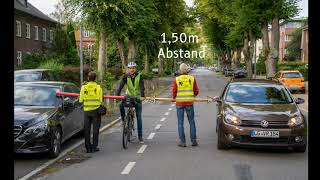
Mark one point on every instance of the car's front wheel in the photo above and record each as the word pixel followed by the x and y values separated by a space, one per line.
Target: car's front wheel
pixel 300 149
pixel 55 143
pixel 221 144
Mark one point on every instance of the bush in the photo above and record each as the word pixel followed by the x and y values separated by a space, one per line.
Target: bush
pixel 149 75
pixel 72 74
pixel 117 72
pixel 51 64
pixel 261 66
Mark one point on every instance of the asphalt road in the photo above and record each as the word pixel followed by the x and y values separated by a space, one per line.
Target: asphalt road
pixel 159 158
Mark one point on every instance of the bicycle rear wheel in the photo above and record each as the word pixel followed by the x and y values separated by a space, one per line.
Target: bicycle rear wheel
pixel 125 133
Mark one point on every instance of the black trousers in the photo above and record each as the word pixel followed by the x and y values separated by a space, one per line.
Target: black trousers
pixel 94 119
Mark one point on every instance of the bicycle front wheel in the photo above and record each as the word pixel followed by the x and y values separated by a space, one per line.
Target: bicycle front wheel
pixel 125 132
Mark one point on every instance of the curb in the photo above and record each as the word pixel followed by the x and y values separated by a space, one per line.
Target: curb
pixel 63 153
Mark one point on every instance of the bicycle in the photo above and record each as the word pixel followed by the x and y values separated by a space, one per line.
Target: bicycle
pixel 128 123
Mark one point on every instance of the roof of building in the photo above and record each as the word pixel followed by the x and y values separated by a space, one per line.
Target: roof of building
pixel 31 10
pixel 292 20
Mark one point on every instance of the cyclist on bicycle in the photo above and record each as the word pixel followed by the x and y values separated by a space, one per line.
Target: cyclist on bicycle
pixel 135 83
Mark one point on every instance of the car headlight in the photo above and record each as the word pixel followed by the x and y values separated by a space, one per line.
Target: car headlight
pixel 37 128
pixel 230 119
pixel 295 121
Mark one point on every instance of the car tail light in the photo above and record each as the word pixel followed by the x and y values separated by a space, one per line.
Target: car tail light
pixel 302 80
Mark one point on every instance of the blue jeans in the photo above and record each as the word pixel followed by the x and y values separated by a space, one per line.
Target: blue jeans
pixel 138 108
pixel 190 114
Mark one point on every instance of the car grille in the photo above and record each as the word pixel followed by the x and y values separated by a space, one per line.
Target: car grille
pixel 248 139
pixel 17 131
pixel 257 123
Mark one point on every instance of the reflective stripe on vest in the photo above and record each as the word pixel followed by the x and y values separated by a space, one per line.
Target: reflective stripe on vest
pixel 185 88
pixel 91 96
pixel 134 90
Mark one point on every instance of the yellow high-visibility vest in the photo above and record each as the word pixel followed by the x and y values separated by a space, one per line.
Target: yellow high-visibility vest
pixel 91 96
pixel 185 88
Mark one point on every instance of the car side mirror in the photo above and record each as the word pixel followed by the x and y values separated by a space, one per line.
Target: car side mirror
pixel 299 101
pixel 67 102
pixel 217 99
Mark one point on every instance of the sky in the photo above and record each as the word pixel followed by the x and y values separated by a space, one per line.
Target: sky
pixel 47 6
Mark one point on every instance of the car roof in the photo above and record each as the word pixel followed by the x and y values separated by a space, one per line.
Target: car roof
pixel 289 71
pixel 255 81
pixel 45 83
pixel 31 70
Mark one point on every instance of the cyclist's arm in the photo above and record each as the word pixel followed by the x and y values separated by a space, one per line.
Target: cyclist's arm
pixel 142 86
pixel 121 85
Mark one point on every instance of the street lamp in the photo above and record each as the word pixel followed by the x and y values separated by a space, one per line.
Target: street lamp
pixel 81 58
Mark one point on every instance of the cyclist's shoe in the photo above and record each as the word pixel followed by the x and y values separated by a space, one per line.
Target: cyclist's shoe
pixel 95 149
pixel 141 141
pixel 181 144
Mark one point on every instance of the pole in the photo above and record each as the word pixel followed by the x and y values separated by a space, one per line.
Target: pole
pixel 255 61
pixel 90 46
pixel 81 58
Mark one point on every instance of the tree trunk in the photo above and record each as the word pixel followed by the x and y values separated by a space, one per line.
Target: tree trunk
pixel 252 38
pixel 160 66
pixel 102 56
pixel 120 44
pixel 238 58
pixel 265 45
pixel 131 50
pixel 271 65
pixel 228 59
pixel 146 61
pixel 247 56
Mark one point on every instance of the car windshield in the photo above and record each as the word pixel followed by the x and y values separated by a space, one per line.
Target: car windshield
pixel 21 77
pixel 35 96
pixel 257 93
pixel 292 75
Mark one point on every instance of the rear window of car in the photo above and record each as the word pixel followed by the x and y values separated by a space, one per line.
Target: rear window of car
pixel 292 75
pixel 31 76
pixel 257 93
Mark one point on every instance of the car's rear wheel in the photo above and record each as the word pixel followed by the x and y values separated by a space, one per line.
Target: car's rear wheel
pixel 221 143
pixel 55 143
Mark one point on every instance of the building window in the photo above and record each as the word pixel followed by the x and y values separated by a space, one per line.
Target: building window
pixel 51 35
pixel 36 33
pixel 44 34
pixel 28 30
pixel 18 28
pixel 86 33
pixel 19 57
pixel 287 38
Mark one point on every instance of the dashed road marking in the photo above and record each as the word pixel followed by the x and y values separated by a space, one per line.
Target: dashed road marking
pixel 141 150
pixel 163 119
pixel 172 105
pixel 128 168
pixel 151 135
pixel 157 127
pixel 167 113
pixel 170 109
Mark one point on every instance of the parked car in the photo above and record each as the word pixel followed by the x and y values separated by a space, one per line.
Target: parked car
pixel 240 73
pixel 293 80
pixel 259 113
pixel 35 75
pixel 228 72
pixel 42 120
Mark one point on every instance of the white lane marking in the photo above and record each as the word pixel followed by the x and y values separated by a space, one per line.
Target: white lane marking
pixel 157 127
pixel 170 109
pixel 151 135
pixel 172 105
pixel 163 119
pixel 304 110
pixel 128 168
pixel 141 150
pixel 167 113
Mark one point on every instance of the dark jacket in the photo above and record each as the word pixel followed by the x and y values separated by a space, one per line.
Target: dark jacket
pixel 124 82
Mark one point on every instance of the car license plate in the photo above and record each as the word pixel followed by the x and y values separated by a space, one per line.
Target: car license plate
pixel 267 134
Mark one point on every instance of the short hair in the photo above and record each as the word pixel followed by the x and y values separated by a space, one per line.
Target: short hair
pixel 92 76
pixel 183 68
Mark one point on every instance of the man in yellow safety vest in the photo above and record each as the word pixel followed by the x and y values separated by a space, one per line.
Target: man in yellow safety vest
pixel 92 97
pixel 184 90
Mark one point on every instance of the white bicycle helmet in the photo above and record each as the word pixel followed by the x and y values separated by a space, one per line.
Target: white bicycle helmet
pixel 132 64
